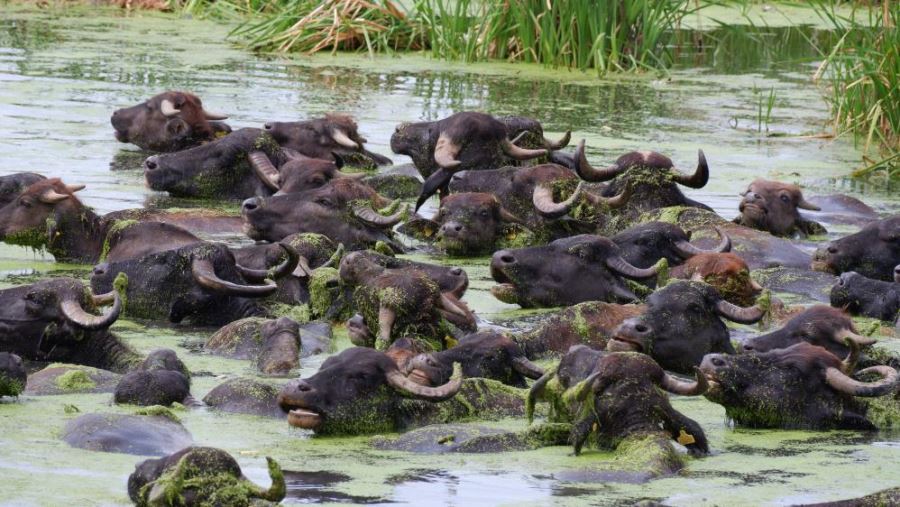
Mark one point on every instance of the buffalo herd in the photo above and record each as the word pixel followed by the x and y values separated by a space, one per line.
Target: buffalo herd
pixel 652 293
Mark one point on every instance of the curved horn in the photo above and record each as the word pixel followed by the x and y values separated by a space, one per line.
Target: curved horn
pixel 335 258
pixel 352 176
pixel 433 183
pixel 621 266
pixel 686 249
pixel 341 138
pixel 205 275
pixel 739 314
pixel 520 153
pixel 756 286
pixel 696 180
pixel 73 312
pixel 265 170
pixel 842 335
pixel 368 215
pixel 507 216
pixel 104 299
pixel 451 306
pixel 52 197
pixel 848 365
pixel 386 318
pixel 527 368
pixel 557 145
pixel 677 386
pixel 286 267
pixel 167 108
pixel 582 389
pixel 214 116
pixel 804 204
pixel 840 381
pixel 614 202
pixel 445 152
pixel 589 173
pixel 403 384
pixel 542 198
pixel 74 188
pixel 277 490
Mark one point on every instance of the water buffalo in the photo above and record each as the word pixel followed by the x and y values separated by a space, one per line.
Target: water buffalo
pixel 362 391
pixel 774 206
pixel 565 272
pixel 51 321
pixel 48 215
pixel 334 137
pixel 628 405
pixel 727 272
pixel 872 252
pixel 682 323
pixel 343 210
pixel 401 301
pixel 12 185
pixel 464 141
pixel 644 244
pixel 297 174
pixel 485 354
pixel 170 121
pixel 802 386
pixel 273 345
pixel 591 323
pixel 218 169
pixel 819 325
pixel 162 379
pixel 860 295
pixel 650 178
pixel 196 476
pixel 201 282
pixel 13 376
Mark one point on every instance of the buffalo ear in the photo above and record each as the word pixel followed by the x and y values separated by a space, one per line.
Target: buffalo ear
pixel 338 160
pixel 176 127
pixel 422 229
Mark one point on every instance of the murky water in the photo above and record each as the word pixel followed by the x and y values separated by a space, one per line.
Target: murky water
pixel 62 73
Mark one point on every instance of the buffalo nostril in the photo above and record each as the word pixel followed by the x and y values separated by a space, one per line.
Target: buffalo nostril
pixel 832 250
pixel 508 259
pixel 748 347
pixel 151 163
pixel 457 271
pixel 457 228
pixel 267 126
pixel 640 328
pixel 250 204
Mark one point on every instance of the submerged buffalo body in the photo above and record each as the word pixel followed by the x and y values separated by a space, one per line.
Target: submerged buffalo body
pixel 802 386
pixel 12 185
pixel 872 252
pixel 864 296
pixel 681 323
pixel 819 325
pixel 565 272
pixel 170 121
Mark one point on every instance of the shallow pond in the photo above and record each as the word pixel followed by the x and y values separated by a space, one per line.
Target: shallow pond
pixel 63 72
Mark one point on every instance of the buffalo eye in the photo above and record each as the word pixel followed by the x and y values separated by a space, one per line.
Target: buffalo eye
pixel 785 198
pixel 484 213
pixel 718 362
pixel 25 203
pixel 324 201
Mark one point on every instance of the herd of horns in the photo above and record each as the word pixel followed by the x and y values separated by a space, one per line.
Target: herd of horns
pixel 649 292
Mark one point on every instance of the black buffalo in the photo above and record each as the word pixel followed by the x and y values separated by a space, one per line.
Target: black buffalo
pixel 681 324
pixel 12 185
pixel 819 325
pixel 860 295
pixel 162 379
pixel 872 252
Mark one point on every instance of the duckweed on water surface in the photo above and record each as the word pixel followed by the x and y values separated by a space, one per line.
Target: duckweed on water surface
pixel 63 71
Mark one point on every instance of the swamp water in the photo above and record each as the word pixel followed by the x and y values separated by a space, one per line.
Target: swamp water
pixel 63 73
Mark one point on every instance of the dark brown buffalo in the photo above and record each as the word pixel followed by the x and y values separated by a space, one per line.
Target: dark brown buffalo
pixel 343 210
pixel 13 376
pixel 298 174
pixel 465 141
pixel 359 391
pixel 218 169
pixel 197 476
pixel 486 354
pixel 645 244
pixel 201 282
pixel 650 179
pixel 565 272
pixel 774 207
pixel 401 302
pixel 51 320
pixel 800 387
pixel 727 272
pixel 682 322
pixel 863 296
pixel 162 379
pixel 591 323
pixel 12 185
pixel 334 137
pixel 872 252
pixel 48 215
pixel 819 325
pixel 170 121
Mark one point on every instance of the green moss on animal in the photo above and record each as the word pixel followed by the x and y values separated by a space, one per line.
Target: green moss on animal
pixel 120 285
pixel 299 313
pixel 158 411
pixel 116 227
pixel 884 412
pixel 35 239
pixel 75 380
pixel 10 387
